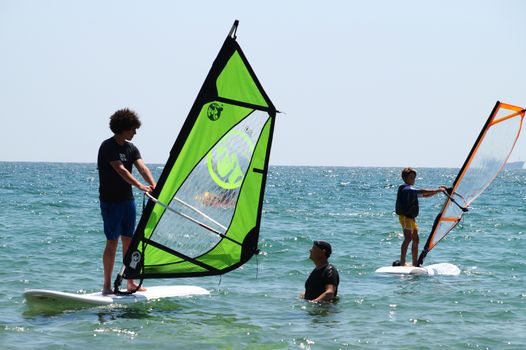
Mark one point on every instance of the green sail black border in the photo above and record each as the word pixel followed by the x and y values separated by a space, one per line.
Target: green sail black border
pixel 230 52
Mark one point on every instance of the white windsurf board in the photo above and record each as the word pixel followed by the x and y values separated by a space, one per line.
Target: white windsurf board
pixel 154 292
pixel 402 270
pixel 444 269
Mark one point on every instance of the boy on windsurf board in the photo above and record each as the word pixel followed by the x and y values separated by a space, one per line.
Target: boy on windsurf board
pixel 407 211
pixel 115 161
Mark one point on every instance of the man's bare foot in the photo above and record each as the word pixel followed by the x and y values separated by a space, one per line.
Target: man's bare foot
pixel 133 287
pixel 106 291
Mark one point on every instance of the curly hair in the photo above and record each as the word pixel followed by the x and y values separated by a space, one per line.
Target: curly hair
pixel 406 172
pixel 124 119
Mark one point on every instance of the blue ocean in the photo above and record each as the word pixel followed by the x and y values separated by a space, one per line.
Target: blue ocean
pixel 51 238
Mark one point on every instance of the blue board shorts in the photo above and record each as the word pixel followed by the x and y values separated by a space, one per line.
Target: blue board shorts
pixel 119 218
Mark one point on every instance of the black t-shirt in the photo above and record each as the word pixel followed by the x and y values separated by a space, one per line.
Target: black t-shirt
pixel 112 187
pixel 318 279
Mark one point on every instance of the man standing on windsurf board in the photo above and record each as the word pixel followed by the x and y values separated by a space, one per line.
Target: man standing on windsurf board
pixel 116 158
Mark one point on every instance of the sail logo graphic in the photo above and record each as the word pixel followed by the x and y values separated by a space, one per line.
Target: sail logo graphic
pixel 135 259
pixel 214 111
pixel 229 159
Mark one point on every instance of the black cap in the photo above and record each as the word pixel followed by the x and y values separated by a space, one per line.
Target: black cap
pixel 324 246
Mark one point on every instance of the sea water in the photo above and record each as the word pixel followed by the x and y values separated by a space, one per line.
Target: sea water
pixel 51 237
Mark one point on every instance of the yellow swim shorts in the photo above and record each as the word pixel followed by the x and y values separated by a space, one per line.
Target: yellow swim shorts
pixel 408 223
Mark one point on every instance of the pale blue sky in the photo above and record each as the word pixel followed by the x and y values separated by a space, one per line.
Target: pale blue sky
pixel 363 83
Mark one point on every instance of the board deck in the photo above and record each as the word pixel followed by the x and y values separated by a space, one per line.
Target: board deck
pixel 403 270
pixel 155 292
pixel 441 269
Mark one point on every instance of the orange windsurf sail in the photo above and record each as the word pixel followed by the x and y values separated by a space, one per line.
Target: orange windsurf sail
pixel 485 161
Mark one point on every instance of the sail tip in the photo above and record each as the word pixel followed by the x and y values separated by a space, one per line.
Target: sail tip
pixel 232 33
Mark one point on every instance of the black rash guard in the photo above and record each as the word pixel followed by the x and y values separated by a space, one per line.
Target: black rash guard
pixel 112 187
pixel 318 279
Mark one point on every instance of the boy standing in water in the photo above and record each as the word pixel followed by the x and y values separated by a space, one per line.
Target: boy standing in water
pixel 407 211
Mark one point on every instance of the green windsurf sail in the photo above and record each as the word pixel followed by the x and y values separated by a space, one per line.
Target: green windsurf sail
pixel 204 216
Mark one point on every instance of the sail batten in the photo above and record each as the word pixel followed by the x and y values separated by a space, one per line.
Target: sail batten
pixel 213 181
pixel 176 253
pixel 519 112
pixel 485 161
pixel 243 104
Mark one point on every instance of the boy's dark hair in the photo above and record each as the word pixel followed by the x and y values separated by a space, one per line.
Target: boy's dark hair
pixel 406 172
pixel 124 119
